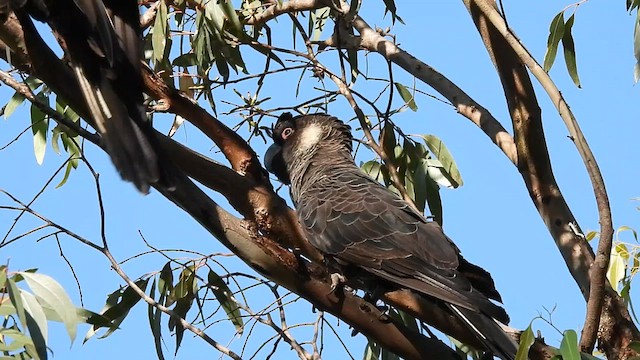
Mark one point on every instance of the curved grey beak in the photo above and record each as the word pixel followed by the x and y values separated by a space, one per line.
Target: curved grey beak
pixel 274 163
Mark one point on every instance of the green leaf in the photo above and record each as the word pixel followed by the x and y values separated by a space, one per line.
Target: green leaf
pixel 3 276
pixel 616 271
pixel 54 140
pixel 556 31
pixel 390 6
pixel 232 17
pixel 421 188
pixel 19 340
pixel 318 20
pixel 434 201
pixel 63 108
pixel 441 153
pixel 16 301
pixel 569 346
pixel 352 59
pixel 591 235
pixel 155 315
pixel 36 323
pixel 117 311
pixel 185 60
pixel 128 299
pixel 635 345
pixel 526 340
pixel 374 170
pixel 160 32
pixel 52 293
pixel 372 351
pixel 67 172
pixel 225 297
pixel 16 100
pixel 626 228
pixel 389 140
pixel 165 283
pixel 570 51
pixel 186 284
pixel 39 127
pixel 183 305
pixel 407 96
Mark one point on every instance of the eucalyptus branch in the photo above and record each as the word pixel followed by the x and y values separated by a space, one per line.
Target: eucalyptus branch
pixel 149 300
pixel 282 332
pixel 277 8
pixel 597 285
pixel 373 41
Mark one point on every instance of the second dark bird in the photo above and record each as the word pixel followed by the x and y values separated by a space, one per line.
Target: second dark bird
pixel 103 42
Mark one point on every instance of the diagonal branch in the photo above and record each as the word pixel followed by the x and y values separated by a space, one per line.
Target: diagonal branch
pixel 277 8
pixel 241 156
pixel 534 165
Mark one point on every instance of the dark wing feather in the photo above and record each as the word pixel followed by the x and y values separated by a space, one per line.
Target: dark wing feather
pixel 103 43
pixel 107 64
pixel 354 219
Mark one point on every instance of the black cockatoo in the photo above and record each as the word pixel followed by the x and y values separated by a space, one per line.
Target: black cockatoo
pixel 361 227
pixel 103 42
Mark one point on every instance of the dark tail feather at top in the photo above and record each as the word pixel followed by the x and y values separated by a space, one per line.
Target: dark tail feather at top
pixel 488 332
pixel 129 142
pixel 103 42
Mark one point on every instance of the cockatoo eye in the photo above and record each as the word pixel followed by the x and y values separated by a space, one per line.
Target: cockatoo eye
pixel 286 133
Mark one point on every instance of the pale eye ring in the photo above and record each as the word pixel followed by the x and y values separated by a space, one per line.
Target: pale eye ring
pixel 286 133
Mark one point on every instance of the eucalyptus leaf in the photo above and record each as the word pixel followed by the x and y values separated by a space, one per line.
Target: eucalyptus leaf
pixel 16 300
pixel 33 308
pixel 556 32
pixel 371 351
pixel 443 154
pixel 616 271
pixel 570 51
pixel 526 340
pixel 407 96
pixel 16 100
pixel 226 299
pixel 52 293
pixel 160 32
pixel 39 128
pixel 155 315
pixel 569 346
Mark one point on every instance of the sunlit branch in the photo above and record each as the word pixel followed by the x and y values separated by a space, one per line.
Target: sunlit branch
pixel 597 272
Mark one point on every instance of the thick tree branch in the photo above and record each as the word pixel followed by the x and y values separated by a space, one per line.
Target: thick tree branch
pixel 241 156
pixel 277 8
pixel 535 167
pixel 306 279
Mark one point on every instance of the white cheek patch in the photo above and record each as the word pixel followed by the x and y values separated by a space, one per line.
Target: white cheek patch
pixel 311 135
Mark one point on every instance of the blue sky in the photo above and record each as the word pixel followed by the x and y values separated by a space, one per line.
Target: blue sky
pixel 491 217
